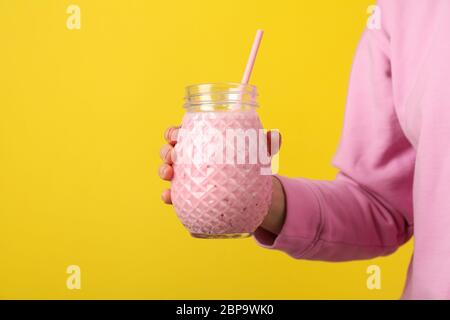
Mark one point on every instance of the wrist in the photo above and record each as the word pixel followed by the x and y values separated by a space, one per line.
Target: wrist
pixel 274 219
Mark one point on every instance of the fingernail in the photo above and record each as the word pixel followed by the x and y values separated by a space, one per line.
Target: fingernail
pixel 173 135
pixel 167 133
pixel 166 152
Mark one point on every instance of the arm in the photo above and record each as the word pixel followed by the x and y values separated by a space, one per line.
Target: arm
pixel 367 210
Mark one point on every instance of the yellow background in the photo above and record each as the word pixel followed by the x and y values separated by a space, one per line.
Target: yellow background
pixel 82 114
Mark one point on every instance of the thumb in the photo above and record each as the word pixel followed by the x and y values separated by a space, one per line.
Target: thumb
pixel 273 141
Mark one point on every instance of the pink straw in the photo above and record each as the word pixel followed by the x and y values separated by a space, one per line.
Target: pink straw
pixel 252 57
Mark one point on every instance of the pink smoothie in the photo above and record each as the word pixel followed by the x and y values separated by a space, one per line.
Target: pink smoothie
pixel 216 199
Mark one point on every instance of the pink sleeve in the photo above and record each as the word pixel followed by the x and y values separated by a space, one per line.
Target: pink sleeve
pixel 367 210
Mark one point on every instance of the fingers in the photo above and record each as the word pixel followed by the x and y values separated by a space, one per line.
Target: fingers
pixel 165 196
pixel 171 135
pixel 277 138
pixel 166 153
pixel 165 172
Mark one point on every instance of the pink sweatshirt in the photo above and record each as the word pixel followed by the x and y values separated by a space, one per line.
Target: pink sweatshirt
pixel 393 157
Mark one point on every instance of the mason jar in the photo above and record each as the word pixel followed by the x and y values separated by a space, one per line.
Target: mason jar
pixel 222 182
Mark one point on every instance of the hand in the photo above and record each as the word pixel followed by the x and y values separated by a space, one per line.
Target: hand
pixel 273 221
pixel 166 154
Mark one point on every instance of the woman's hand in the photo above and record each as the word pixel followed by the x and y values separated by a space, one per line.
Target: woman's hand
pixel 166 154
pixel 273 221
